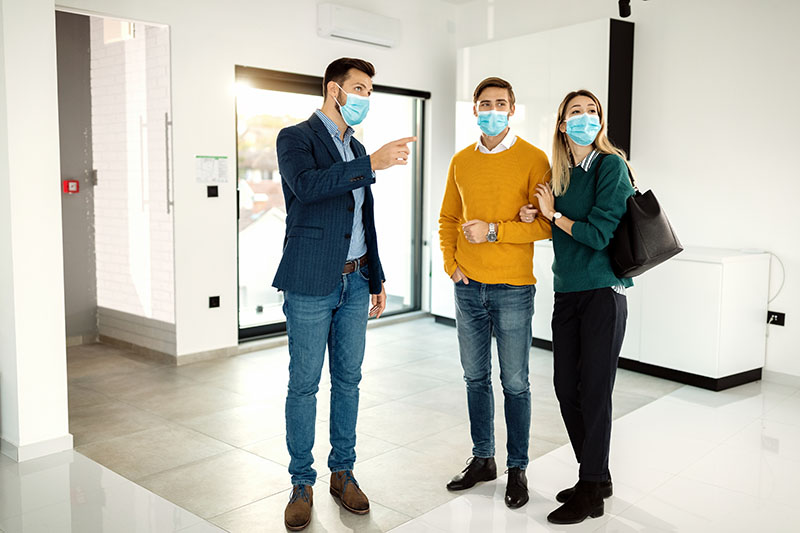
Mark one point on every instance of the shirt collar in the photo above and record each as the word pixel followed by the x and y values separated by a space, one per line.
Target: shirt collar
pixel 506 143
pixel 586 164
pixel 332 128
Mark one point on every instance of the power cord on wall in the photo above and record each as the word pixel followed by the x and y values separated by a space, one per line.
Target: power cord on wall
pixel 783 276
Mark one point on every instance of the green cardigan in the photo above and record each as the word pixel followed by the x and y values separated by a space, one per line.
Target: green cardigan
pixel 595 200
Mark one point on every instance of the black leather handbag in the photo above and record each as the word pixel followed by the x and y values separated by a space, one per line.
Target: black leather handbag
pixel 644 238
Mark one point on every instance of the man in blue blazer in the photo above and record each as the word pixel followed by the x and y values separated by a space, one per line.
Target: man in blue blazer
pixel 329 269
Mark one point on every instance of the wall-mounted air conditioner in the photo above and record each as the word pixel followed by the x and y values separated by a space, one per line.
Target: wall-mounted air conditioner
pixel 357 25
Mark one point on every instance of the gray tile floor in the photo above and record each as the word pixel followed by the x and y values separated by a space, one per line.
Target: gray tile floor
pixel 209 436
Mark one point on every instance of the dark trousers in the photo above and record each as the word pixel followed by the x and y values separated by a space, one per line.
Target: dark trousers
pixel 588 328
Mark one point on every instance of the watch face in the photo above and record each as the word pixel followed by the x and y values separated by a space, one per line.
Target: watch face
pixel 491 237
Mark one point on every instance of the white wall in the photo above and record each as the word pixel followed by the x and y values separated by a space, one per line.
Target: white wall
pixel 33 386
pixel 714 123
pixel 208 38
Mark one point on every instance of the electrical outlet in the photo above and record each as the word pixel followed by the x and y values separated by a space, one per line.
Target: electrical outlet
pixel 213 191
pixel 213 301
pixel 775 318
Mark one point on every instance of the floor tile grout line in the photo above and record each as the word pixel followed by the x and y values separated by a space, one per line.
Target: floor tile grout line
pixel 201 460
pixel 209 519
pixel 164 421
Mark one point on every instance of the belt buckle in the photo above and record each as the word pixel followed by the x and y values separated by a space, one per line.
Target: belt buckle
pixel 354 263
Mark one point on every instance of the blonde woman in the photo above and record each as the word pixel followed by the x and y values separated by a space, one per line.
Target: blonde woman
pixel 584 203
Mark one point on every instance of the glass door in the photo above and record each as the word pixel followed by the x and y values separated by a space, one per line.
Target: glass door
pixel 266 102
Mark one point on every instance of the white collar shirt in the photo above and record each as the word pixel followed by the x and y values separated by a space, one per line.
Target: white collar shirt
pixel 507 142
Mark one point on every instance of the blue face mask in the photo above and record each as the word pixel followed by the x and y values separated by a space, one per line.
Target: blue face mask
pixel 355 109
pixel 583 129
pixel 492 122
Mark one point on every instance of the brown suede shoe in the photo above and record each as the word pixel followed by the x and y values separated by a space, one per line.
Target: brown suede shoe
pixel 345 487
pixel 298 511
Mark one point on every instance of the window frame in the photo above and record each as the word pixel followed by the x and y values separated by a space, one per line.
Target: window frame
pixel 274 80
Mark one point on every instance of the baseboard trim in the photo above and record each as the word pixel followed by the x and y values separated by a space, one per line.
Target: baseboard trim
pixel 444 320
pixel 37 449
pixel 78 340
pixel 696 380
pixel 543 344
pixel 221 353
pixel 145 353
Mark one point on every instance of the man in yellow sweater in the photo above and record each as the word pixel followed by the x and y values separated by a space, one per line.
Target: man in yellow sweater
pixel 488 253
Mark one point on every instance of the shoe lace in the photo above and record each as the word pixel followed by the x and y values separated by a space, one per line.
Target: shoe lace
pixel 299 492
pixel 469 463
pixel 348 478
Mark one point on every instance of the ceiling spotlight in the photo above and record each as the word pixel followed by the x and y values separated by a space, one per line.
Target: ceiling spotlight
pixel 624 8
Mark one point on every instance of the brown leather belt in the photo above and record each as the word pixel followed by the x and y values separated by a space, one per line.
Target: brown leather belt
pixel 351 266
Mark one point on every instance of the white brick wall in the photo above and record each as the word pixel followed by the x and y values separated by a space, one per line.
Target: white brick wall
pixel 147 332
pixel 134 233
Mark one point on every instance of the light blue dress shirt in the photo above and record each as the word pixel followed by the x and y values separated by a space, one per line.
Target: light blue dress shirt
pixel 358 243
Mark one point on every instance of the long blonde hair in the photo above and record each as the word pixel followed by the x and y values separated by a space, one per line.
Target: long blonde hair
pixel 562 155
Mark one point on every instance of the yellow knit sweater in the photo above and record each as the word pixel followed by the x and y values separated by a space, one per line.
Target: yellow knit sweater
pixel 492 188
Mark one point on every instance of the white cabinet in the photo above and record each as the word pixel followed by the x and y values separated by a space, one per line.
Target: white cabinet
pixel 543 303
pixel 704 313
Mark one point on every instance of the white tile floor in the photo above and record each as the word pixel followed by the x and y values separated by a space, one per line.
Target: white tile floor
pixel 693 460
pixel 684 459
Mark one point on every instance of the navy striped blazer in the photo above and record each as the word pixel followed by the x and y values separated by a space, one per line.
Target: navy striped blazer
pixel 317 187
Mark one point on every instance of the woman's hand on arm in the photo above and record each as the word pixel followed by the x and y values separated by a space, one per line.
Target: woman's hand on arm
pixel 547 209
pixel 546 200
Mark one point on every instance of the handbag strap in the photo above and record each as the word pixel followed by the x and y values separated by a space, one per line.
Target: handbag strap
pixel 601 157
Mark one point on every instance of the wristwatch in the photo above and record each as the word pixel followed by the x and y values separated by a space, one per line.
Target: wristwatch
pixel 492 235
pixel 556 216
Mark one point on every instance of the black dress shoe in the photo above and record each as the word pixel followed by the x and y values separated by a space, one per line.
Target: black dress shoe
pixel 585 502
pixel 606 491
pixel 517 488
pixel 478 469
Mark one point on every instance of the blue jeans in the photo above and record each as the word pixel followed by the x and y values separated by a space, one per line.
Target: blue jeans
pixel 506 311
pixel 338 321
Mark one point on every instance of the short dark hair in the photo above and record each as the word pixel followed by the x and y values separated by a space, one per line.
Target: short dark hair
pixel 337 71
pixel 494 82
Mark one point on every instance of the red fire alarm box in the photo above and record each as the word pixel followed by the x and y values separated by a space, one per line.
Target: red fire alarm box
pixel 71 186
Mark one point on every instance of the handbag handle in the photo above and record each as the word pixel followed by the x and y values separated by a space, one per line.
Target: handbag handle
pixel 602 157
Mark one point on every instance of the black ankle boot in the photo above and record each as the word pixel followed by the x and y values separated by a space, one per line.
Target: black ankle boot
pixel 478 469
pixel 606 491
pixel 586 502
pixel 517 488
